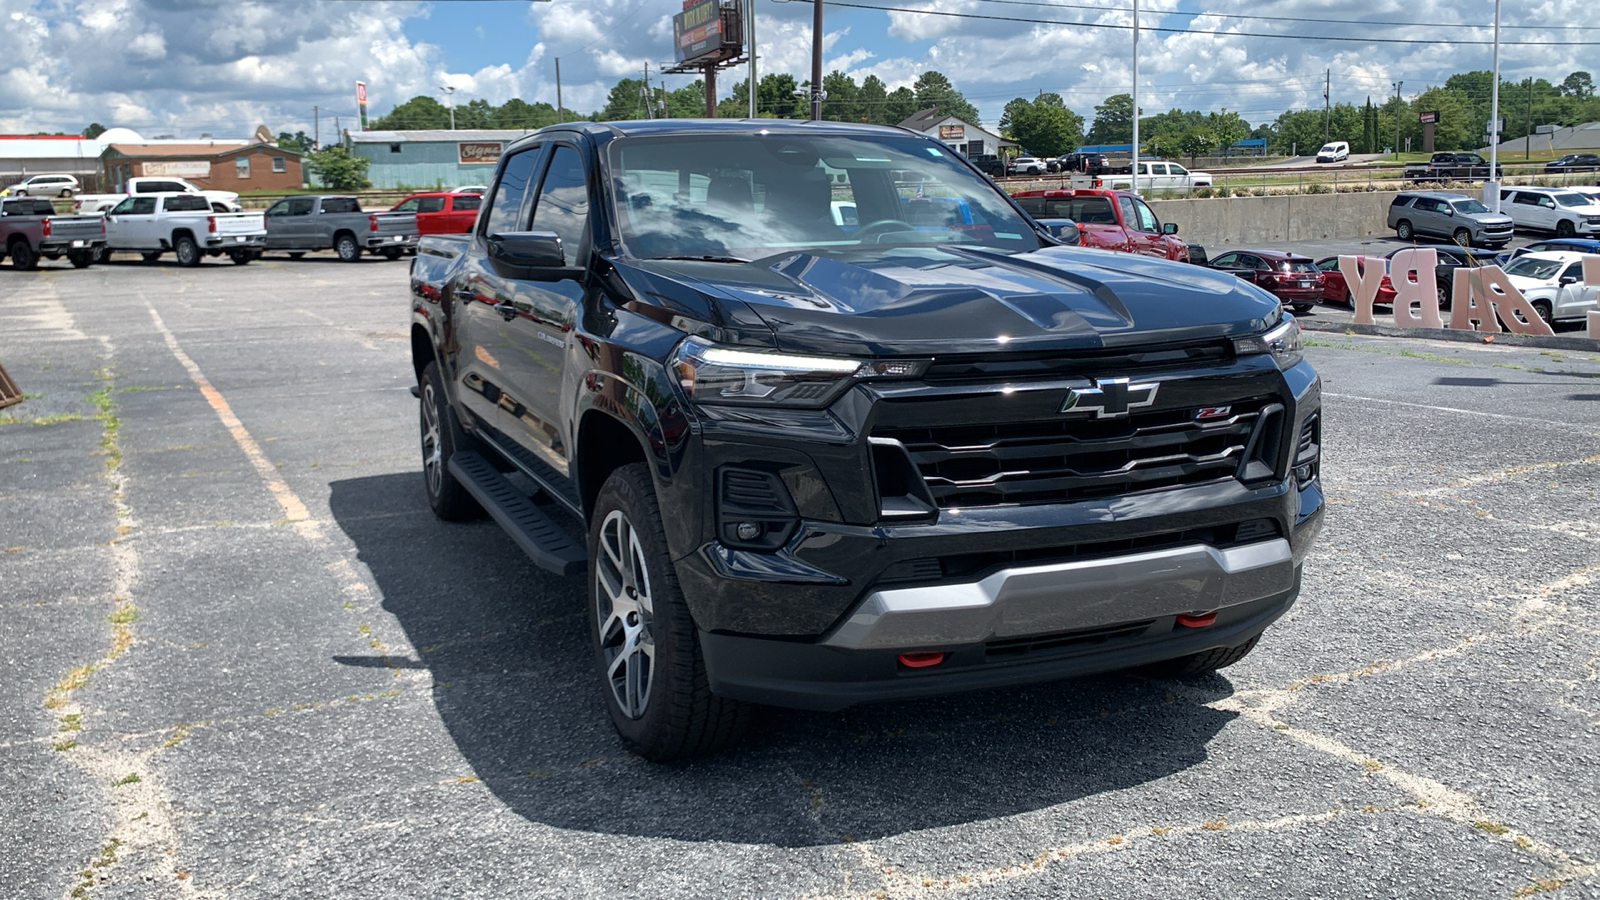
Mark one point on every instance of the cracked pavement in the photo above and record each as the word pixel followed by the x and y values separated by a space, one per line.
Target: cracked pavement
pixel 242 659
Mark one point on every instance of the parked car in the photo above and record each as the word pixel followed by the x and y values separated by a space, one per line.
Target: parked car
pixel 1026 165
pixel 30 228
pixel 1574 162
pixel 1333 151
pixel 1292 278
pixel 1592 191
pixel 1458 217
pixel 1450 258
pixel 320 222
pixel 186 225
pixel 989 164
pixel 806 470
pixel 1161 175
pixel 45 186
pixel 1336 290
pixel 1575 245
pixel 219 201
pixel 1108 220
pixel 1087 163
pixel 442 213
pixel 1451 166
pixel 1554 286
pixel 1565 212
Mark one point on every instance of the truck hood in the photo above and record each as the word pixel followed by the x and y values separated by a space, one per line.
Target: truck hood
pixel 930 300
pixel 1487 219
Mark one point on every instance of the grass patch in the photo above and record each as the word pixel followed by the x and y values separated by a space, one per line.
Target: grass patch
pixel 1538 887
pixel 1494 828
pixel 63 746
pixel 130 778
pixel 107 856
pixel 125 614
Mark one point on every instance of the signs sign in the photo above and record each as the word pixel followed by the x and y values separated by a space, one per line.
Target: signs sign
pixel 952 132
pixel 361 102
pixel 478 153
pixel 1429 117
pixel 699 33
pixel 181 169
pixel 1482 298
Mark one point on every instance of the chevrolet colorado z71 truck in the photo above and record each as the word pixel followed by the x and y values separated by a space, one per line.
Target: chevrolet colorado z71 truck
pixel 816 467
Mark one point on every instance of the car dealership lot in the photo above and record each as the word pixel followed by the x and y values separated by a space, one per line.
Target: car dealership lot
pixel 218 573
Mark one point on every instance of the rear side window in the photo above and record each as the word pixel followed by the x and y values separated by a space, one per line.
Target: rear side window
pixel 1401 200
pixel 159 187
pixel 430 204
pixel 468 201
pixel 340 205
pixel 187 203
pixel 505 210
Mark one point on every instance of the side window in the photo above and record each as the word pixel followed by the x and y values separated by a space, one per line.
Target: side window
pixel 1033 206
pixel 409 206
pixel 1573 271
pixel 466 202
pixel 505 210
pixel 279 165
pixel 1329 265
pixel 1147 218
pixel 1226 260
pixel 1526 199
pixel 564 201
pixel 430 204
pixel 241 166
pixel 1130 219
pixel 123 208
pixel 1174 168
pixel 142 206
pixel 281 208
pixel 1547 202
pixel 340 205
pixel 302 206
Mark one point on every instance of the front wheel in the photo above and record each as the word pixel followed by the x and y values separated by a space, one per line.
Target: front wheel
pixel 241 257
pixel 1543 308
pixel 1202 662
pixel 1565 229
pixel 1403 231
pixel 347 248
pixel 391 253
pixel 647 651
pixel 186 251
pixel 1462 237
pixel 1302 308
pixel 441 437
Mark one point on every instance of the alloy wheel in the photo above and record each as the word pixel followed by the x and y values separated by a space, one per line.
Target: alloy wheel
pixel 432 451
pixel 625 612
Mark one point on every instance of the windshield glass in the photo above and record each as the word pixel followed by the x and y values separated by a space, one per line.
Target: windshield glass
pixel 1572 198
pixel 1469 206
pixel 1538 269
pixel 1303 266
pixel 749 196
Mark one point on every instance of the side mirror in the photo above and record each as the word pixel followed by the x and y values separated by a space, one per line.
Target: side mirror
pixel 1449 211
pixel 1569 279
pixel 1169 228
pixel 528 254
pixel 1066 232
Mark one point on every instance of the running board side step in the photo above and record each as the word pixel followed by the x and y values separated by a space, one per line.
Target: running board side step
pixel 545 542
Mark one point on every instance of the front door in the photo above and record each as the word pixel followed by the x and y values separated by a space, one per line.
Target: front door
pixel 131 224
pixel 1144 230
pixel 1574 299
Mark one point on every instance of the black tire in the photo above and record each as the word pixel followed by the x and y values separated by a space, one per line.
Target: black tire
pixel 186 251
pixel 66 193
pixel 1442 292
pixel 1349 298
pixel 100 254
pixel 241 257
pixel 1462 237
pixel 345 245
pixel 391 253
pixel 1545 311
pixel 1302 308
pixel 150 256
pixel 1403 230
pixel 23 259
pixel 643 633
pixel 441 438
pixel 296 254
pixel 80 259
pixel 1203 662
pixel 1564 229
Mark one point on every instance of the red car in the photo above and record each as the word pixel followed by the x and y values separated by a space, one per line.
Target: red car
pixel 1335 289
pixel 1109 220
pixel 1292 278
pixel 442 213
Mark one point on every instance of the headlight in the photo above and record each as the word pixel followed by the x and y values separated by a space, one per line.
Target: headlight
pixel 713 374
pixel 1283 341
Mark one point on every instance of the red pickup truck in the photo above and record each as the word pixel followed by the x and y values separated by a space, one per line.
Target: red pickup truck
pixel 1109 220
pixel 442 213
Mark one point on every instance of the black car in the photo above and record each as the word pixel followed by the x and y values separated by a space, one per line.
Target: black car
pixel 1451 257
pixel 813 464
pixel 1086 163
pixel 989 164
pixel 1574 162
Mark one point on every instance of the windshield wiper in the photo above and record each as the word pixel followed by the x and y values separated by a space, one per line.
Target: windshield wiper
pixel 721 259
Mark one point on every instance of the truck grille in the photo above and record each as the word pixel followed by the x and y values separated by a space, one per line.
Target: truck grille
pixel 1069 459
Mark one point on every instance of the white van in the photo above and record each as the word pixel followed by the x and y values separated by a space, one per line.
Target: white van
pixel 1333 151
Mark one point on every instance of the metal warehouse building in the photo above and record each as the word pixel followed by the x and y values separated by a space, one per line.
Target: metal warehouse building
pixel 431 159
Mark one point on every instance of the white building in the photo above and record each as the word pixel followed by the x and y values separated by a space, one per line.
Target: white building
pixel 965 137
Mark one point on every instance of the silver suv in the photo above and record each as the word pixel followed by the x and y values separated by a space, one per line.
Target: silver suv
pixel 1462 219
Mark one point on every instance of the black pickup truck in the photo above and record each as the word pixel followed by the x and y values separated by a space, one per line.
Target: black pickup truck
pixel 814 460
pixel 1452 166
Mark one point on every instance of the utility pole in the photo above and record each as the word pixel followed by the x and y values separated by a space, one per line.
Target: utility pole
pixel 316 128
pixel 1397 86
pixel 816 60
pixel 644 93
pixel 1133 182
pixel 450 94
pixel 1491 185
pixel 1527 142
pixel 1327 108
pixel 561 115
pixel 750 10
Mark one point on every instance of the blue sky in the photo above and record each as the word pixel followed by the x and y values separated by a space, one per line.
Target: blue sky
pixel 180 67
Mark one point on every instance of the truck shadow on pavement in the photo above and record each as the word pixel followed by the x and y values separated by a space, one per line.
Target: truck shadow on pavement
pixel 513 682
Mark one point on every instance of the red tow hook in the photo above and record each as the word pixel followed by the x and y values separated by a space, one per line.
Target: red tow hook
pixel 921 660
pixel 1197 620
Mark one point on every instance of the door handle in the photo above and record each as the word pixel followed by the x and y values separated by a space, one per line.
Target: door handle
pixel 506 309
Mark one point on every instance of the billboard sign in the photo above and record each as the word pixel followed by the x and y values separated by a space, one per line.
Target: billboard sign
pixel 182 169
pixel 361 102
pixel 1429 117
pixel 478 153
pixel 702 33
pixel 952 132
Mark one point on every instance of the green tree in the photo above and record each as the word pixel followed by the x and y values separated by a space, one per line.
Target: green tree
pixel 419 113
pixel 689 102
pixel 901 104
pixel 300 142
pixel 518 113
pixel 843 103
pixel 338 169
pixel 1197 141
pixel 94 130
pixel 1043 125
pixel 626 101
pixel 932 90
pixel 1164 146
pixel 1229 128
pixel 1113 121
pixel 1578 85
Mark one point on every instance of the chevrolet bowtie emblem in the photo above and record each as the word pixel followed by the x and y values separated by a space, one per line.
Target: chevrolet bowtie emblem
pixel 1110 397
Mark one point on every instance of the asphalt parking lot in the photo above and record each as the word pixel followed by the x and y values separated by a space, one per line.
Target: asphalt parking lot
pixel 242 659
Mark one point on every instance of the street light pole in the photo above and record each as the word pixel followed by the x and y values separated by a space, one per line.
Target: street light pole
pixel 450 94
pixel 1397 86
pixel 751 12
pixel 1133 184
pixel 1492 183
pixel 816 60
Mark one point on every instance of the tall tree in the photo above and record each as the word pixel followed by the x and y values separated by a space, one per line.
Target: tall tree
pixel 1578 85
pixel 95 129
pixel 626 101
pixel 843 103
pixel 901 104
pixel 874 100
pixel 1043 126
pixel 419 113
pixel 1229 128
pixel 1113 121
pixel 932 90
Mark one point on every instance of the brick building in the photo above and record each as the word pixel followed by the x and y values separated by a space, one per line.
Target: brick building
pixel 215 165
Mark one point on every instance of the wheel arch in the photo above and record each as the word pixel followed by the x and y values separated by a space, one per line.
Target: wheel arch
pixel 341 233
pixel 422 351
pixel 605 443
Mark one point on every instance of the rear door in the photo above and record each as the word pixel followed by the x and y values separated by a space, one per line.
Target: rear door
pixel 464 212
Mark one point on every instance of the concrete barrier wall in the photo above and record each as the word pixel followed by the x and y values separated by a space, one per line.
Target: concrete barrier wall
pixel 1240 221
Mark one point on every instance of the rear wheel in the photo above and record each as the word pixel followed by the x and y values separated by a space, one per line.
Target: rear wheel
pixel 1442 292
pixel 186 251
pixel 441 437
pixel 347 248
pixel 1302 308
pixel 391 253
pixel 150 256
pixel 241 257
pixel 80 259
pixel 1349 299
pixel 1202 662
pixel 100 254
pixel 1462 237
pixel 296 254
pixel 66 193
pixel 23 259
pixel 647 650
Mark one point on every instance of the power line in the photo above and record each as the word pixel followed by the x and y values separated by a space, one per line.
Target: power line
pixel 1319 21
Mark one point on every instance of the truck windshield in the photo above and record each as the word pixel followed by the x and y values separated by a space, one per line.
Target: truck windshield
pixel 1572 199
pixel 1469 206
pixel 1537 269
pixel 748 196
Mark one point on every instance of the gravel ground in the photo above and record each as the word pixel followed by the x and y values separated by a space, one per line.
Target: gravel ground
pixel 242 659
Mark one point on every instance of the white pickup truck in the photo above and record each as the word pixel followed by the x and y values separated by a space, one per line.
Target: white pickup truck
pixel 220 201
pixel 186 225
pixel 1160 175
